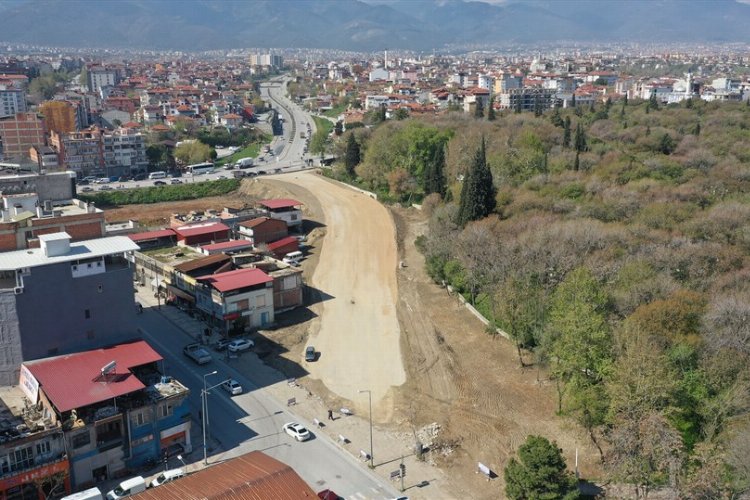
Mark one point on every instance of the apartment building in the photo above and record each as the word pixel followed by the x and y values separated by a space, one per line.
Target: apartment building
pixel 527 99
pixel 12 101
pixel 125 152
pixel 82 152
pixel 45 158
pixel 19 133
pixel 89 286
pixel 61 116
pixel 100 76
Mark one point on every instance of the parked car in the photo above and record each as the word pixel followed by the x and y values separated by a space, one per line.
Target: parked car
pixel 297 431
pixel 160 183
pixel 87 189
pixel 123 178
pixel 197 353
pixel 128 487
pixel 328 495
pixel 89 494
pixel 105 188
pixel 240 345
pixel 82 182
pixel 175 181
pixel 140 177
pixel 232 387
pixel 310 353
pixel 222 344
pixel 167 476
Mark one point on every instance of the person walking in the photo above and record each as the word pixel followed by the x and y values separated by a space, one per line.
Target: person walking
pixel 330 414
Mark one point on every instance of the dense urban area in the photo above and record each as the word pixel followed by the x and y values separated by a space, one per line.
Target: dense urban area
pixel 517 273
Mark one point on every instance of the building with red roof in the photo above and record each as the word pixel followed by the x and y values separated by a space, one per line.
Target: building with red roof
pixel 114 407
pixel 154 239
pixel 263 229
pixel 229 247
pixel 201 234
pixel 283 246
pixel 286 209
pixel 236 300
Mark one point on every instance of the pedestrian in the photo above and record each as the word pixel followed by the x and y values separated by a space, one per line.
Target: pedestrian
pixel 330 414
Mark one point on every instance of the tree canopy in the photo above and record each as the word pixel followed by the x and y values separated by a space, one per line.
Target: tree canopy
pixel 539 473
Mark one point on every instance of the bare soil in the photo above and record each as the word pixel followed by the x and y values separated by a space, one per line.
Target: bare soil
pixel 457 375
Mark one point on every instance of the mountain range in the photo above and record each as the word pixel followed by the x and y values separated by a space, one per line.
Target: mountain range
pixel 198 25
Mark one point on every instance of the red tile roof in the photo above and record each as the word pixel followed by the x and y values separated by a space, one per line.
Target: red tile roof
pixel 75 380
pixel 151 235
pixel 280 203
pixel 186 231
pixel 234 280
pixel 253 476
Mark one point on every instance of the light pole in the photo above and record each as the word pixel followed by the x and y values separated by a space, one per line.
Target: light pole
pixel 369 396
pixel 204 403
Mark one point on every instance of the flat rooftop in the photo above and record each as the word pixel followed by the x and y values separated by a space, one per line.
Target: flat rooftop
pixel 34 257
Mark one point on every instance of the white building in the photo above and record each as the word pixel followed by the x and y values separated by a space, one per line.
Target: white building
pixel 12 101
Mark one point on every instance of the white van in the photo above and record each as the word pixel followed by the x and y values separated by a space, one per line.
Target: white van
pixel 293 258
pixel 157 175
pixel 89 494
pixel 128 487
pixel 167 476
pixel 244 163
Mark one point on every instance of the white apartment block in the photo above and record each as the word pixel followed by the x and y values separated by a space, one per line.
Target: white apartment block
pixel 12 101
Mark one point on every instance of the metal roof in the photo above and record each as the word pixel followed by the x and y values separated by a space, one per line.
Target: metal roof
pixel 34 257
pixel 194 264
pixel 151 235
pixel 288 240
pixel 228 245
pixel 75 380
pixel 280 203
pixel 253 476
pixel 234 280
pixel 186 231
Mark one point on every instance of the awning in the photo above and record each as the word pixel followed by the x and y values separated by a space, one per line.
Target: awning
pixel 179 293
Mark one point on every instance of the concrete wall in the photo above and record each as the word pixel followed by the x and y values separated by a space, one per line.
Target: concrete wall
pixel 52 308
pixel 10 339
pixel 55 186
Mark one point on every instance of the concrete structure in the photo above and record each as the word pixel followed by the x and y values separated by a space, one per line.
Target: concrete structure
pixel 61 116
pixel 50 186
pixel 236 300
pixel 99 77
pixel 88 285
pixel 19 133
pixel 116 409
pixel 82 152
pixel 527 99
pixel 125 152
pixel 24 218
pixel 12 101
pixel 286 209
pixel 45 157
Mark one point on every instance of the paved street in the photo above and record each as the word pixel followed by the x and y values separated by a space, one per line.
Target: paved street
pixel 253 420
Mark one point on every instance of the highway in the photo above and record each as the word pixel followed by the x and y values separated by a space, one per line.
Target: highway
pixel 253 420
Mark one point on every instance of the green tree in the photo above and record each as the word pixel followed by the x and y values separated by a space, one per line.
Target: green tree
pixel 338 128
pixel 666 144
pixel 352 156
pixel 520 312
pixel 491 110
pixel 556 119
pixel 156 154
pixel 478 190
pixel 434 174
pixel 478 109
pixel 539 473
pixel 401 114
pixel 579 142
pixel 192 152
pixel 653 103
pixel 566 132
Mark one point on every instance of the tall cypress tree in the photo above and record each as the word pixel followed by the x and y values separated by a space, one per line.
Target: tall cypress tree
pixel 478 109
pixel 566 132
pixel 491 110
pixel 352 157
pixel 580 139
pixel 434 177
pixel 478 191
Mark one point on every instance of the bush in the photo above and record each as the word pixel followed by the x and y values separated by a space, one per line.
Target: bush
pixel 159 194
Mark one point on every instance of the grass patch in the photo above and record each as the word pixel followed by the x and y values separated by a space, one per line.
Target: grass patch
pixel 323 125
pixel 157 194
pixel 335 111
pixel 249 151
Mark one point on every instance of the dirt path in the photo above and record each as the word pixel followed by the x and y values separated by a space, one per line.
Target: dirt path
pixel 357 330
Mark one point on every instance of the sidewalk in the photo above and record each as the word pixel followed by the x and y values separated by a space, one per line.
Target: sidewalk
pixel 347 432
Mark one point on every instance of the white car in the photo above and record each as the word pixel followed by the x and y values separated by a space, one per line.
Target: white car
pixel 240 345
pixel 297 431
pixel 232 387
pixel 167 477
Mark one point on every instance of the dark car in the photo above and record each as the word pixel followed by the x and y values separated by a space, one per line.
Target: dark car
pixel 140 177
pixel 123 178
pixel 328 495
pixel 160 183
pixel 261 172
pixel 310 353
pixel 82 182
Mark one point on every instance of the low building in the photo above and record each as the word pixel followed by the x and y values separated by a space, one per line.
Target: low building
pixel 89 286
pixel 154 239
pixel 286 209
pixel 227 247
pixel 287 284
pixel 283 246
pixel 263 230
pixel 54 186
pixel 33 459
pixel 45 157
pixel 247 477
pixel 115 408
pixel 236 300
pixel 201 234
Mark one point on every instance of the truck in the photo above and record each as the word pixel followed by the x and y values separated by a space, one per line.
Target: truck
pixel 244 163
pixel 197 353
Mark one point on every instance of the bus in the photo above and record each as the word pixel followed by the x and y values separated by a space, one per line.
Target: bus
pixel 199 169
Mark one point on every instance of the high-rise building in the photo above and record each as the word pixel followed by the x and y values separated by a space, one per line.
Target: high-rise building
pixel 12 101
pixel 81 152
pixel 101 76
pixel 125 152
pixel 19 133
pixel 60 116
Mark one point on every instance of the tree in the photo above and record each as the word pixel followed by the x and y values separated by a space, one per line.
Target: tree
pixel 401 114
pixel 556 119
pixel 491 110
pixel 156 154
pixel 189 153
pixel 478 109
pixel 539 473
pixel 579 142
pixel 434 174
pixel 478 191
pixel 338 128
pixel 566 132
pixel 352 156
pixel 653 103
pixel 666 144
pixel 520 312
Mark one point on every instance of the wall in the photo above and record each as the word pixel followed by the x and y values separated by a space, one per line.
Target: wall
pixel 58 186
pixel 10 339
pixel 51 310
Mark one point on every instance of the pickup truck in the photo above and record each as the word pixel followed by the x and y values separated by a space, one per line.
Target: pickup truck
pixel 197 353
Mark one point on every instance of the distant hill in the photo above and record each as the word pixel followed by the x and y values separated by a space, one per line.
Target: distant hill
pixel 362 26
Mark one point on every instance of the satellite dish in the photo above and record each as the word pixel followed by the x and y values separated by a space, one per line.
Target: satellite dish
pixel 109 368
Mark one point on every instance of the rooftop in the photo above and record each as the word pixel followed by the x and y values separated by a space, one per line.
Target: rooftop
pixel 253 476
pixel 228 245
pixel 280 203
pixel 151 235
pixel 199 229
pixel 84 382
pixel 235 280
pixel 34 257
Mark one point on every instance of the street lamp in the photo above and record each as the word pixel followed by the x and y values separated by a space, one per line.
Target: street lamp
pixel 369 396
pixel 204 403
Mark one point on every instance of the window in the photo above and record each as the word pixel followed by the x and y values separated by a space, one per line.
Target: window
pixel 100 289
pixel 43 448
pixel 165 410
pixel 21 459
pixel 87 313
pixel 80 440
pixel 138 419
pixel 260 301
pixel 243 304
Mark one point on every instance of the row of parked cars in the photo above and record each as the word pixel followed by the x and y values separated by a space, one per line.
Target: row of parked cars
pixel 128 487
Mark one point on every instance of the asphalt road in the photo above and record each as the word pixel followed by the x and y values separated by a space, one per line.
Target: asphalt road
pixel 253 420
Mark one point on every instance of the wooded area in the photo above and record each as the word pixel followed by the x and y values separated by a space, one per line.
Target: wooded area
pixel 614 254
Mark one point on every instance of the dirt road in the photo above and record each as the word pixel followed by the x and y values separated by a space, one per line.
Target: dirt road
pixel 357 330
